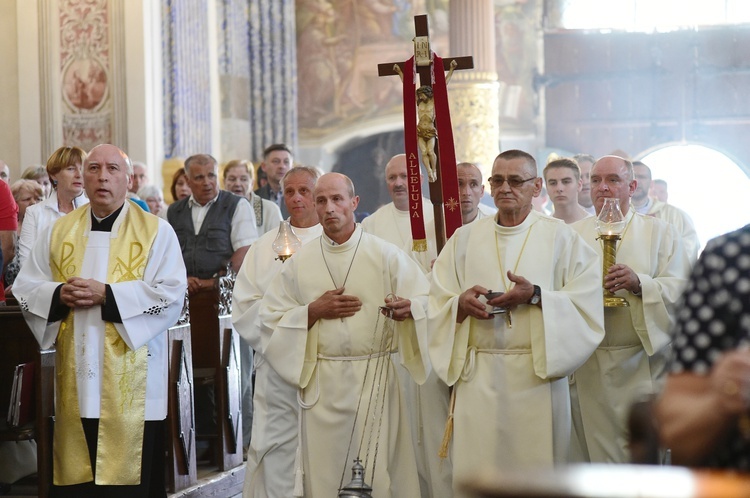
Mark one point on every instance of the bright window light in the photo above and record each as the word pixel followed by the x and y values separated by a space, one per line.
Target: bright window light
pixel 652 15
pixel 706 184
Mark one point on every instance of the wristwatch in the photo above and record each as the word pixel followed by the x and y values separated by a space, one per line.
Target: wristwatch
pixel 536 297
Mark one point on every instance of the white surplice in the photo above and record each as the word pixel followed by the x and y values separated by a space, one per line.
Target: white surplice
pixel 393 225
pixel 630 362
pixel 682 221
pixel 148 307
pixel 329 361
pixel 270 457
pixel 39 219
pixel 512 406
pixel 427 403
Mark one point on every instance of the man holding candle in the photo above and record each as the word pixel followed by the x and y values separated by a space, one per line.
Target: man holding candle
pixel 270 457
pixel 650 271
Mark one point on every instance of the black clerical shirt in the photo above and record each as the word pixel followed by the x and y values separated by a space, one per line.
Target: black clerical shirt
pixel 59 310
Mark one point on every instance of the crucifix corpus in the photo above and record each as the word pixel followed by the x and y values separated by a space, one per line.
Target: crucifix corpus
pixel 427 129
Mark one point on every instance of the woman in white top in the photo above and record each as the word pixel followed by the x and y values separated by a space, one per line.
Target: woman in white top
pixel 238 179
pixel 65 169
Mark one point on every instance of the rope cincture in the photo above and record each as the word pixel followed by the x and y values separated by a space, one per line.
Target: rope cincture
pixel 381 373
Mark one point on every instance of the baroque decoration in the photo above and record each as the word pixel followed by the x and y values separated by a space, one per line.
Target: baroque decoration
pixel 85 72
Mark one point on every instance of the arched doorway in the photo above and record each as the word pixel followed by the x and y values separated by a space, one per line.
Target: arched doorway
pixel 712 188
pixel 363 160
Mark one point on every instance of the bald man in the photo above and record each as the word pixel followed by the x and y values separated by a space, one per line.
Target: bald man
pixel 103 285
pixel 470 192
pixel 325 310
pixel 650 272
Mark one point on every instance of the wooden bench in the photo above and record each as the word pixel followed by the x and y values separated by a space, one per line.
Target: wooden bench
pixel 216 359
pixel 180 441
pixel 18 345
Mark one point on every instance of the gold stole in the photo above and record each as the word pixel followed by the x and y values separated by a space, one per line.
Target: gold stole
pixel 123 395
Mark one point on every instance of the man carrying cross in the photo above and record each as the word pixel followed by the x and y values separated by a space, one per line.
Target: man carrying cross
pixel 507 357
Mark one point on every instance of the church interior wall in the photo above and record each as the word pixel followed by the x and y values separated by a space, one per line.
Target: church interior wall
pixel 637 91
pixel 309 78
pixel 9 83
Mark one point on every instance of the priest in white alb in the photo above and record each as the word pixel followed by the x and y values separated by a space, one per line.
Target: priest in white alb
pixel 392 222
pixel 470 193
pixel 508 355
pixel 427 403
pixel 271 456
pixel 330 338
pixel 103 285
pixel 651 270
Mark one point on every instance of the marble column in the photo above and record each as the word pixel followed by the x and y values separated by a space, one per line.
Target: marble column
pixel 474 98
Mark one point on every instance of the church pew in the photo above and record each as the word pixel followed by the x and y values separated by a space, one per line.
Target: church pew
pixel 215 346
pixel 180 440
pixel 18 345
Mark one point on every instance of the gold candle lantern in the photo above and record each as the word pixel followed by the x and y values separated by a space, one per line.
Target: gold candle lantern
pixel 610 223
pixel 286 242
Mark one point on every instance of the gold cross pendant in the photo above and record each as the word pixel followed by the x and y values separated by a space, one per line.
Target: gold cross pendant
pixel 508 319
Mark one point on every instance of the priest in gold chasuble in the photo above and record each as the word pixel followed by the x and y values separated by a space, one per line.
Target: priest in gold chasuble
pixel 103 285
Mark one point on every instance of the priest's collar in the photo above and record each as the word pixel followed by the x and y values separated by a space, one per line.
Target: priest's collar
pixel 530 219
pixel 352 241
pixel 104 224
pixel 645 208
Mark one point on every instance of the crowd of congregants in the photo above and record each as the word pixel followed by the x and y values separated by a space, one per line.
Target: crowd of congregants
pixel 498 351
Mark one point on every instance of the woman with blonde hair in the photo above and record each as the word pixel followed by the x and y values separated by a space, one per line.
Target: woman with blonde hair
pixel 39 174
pixel 65 169
pixel 238 179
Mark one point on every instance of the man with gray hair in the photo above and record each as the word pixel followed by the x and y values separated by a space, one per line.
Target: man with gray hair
pixel 513 310
pixel 271 455
pixel 214 226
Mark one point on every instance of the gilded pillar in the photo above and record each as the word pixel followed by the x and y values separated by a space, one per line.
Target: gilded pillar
pixel 474 97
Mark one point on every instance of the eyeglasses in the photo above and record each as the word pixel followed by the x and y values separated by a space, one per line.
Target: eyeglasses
pixel 497 181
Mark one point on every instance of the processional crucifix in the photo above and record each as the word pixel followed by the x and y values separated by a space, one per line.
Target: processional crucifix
pixel 430 104
pixel 427 121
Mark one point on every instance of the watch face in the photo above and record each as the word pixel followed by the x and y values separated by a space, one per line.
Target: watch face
pixel 537 295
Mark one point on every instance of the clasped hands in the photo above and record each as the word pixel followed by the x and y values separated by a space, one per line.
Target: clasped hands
pixel 82 293
pixel 469 303
pixel 196 284
pixel 335 304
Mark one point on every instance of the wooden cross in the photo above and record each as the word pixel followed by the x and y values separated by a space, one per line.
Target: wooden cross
pixel 423 62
